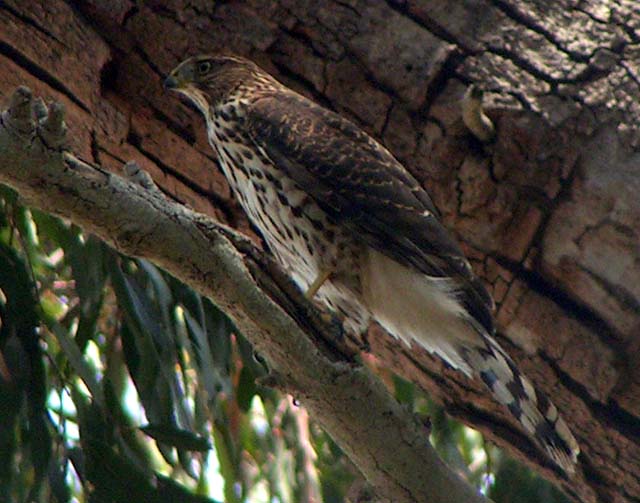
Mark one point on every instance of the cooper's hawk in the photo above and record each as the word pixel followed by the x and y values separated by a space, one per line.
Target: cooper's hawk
pixel 355 230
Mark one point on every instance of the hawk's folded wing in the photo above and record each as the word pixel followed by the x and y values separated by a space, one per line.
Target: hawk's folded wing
pixel 360 184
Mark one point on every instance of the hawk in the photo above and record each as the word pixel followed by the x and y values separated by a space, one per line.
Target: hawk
pixel 355 230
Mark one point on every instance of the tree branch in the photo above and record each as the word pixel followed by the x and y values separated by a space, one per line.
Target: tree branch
pixel 382 438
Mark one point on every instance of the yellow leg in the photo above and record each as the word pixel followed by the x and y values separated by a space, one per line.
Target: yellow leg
pixel 318 282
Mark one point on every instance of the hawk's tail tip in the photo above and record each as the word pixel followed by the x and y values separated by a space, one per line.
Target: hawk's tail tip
pixel 540 418
pixel 554 436
pixel 531 407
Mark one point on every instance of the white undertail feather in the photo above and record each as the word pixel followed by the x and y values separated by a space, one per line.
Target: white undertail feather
pixel 423 310
pixel 416 308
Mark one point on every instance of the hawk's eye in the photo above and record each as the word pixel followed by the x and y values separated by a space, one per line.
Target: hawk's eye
pixel 204 67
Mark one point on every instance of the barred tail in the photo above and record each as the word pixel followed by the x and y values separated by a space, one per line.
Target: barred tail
pixel 529 406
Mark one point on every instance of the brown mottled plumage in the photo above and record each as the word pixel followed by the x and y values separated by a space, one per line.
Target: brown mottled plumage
pixel 330 200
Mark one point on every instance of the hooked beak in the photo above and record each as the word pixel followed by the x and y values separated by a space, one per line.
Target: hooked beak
pixel 171 83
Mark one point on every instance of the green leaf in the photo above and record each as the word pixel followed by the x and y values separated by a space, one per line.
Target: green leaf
pixel 229 466
pixel 24 223
pixel 114 478
pixel 87 264
pixel 11 394
pixel 86 258
pixel 181 439
pixel 174 492
pixel 219 329
pixel 162 297
pixel 20 322
pixel 53 229
pixel 405 390
pixel 58 484
pixel 215 326
pixel 147 316
pixel 8 195
pixel 516 484
pixel 143 360
pixel 210 376
pixel 246 389
pixel 446 435
pixel 76 359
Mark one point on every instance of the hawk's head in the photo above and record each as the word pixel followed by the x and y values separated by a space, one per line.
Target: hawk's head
pixel 209 79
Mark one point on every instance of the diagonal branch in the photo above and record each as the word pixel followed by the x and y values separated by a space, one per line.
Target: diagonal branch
pixel 383 439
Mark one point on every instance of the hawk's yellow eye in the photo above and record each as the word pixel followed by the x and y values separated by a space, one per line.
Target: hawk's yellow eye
pixel 204 67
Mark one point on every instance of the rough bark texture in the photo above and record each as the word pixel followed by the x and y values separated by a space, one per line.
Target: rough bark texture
pixel 549 212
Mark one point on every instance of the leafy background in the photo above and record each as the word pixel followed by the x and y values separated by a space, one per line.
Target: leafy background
pixel 118 383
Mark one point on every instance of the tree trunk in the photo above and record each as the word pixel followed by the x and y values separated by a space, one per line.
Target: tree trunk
pixel 549 212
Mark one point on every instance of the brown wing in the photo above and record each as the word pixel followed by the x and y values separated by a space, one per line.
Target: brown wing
pixel 360 184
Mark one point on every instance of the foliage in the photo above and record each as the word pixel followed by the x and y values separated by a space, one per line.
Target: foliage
pixel 118 383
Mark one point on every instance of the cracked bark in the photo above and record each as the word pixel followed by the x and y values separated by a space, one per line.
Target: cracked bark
pixel 548 213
